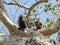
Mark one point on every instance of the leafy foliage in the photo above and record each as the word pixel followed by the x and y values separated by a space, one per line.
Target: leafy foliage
pixel 48 7
pixel 16 24
pixel 58 33
pixel 34 10
pixel 50 24
pixel 47 20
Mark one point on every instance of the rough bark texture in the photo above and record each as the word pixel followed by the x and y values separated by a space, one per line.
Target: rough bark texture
pixel 14 31
pixel 36 40
pixel 27 38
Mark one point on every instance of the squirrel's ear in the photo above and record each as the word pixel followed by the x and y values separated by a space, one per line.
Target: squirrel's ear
pixel 21 16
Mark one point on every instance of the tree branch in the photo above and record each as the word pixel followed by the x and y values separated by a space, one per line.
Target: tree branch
pixel 34 5
pixel 30 9
pixel 19 4
pixel 51 30
pixel 14 31
pixel 9 24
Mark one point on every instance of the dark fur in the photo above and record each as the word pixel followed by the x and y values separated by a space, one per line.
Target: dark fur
pixel 21 23
pixel 38 25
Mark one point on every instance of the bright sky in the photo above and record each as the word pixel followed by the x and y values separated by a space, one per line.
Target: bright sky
pixel 15 14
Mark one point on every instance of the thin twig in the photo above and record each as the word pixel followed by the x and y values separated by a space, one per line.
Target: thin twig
pixel 19 4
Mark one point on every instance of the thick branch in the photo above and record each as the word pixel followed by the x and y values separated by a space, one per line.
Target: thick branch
pixel 12 28
pixel 2 7
pixel 51 30
pixel 8 23
pixel 14 31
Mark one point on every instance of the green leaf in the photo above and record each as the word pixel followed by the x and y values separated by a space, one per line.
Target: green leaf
pixel 49 6
pixel 17 24
pixel 58 33
pixel 34 10
pixel 52 9
pixel 55 14
pixel 45 10
pixel 47 20
pixel 45 6
pixel 55 6
pixel 30 19
pixel 51 23
pixel 25 13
